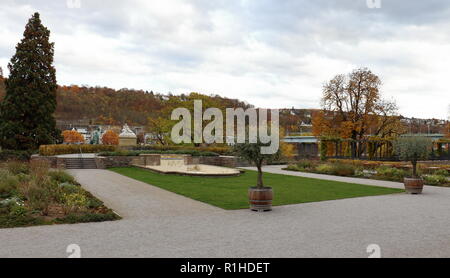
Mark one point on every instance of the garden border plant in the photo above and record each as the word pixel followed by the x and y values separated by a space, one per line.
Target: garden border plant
pixel 32 194
pixel 433 174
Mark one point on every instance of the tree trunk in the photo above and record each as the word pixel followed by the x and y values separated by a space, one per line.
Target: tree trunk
pixel 260 180
pixel 414 163
pixel 354 145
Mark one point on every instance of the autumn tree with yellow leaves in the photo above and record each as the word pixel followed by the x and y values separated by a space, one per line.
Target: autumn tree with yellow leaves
pixel 353 108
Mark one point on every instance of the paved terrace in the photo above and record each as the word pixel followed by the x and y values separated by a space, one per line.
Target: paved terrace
pixel 158 223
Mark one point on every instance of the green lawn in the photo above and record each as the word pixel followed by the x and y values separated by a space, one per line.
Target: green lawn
pixel 231 192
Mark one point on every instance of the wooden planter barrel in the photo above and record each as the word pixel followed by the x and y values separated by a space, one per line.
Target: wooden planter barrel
pixel 414 185
pixel 260 198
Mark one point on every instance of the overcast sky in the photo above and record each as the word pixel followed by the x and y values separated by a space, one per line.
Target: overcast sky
pixel 271 53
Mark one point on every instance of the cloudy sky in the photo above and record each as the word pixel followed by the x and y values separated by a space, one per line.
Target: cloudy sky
pixel 271 53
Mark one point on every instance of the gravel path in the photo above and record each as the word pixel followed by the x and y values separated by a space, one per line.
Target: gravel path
pixel 158 223
pixel 133 199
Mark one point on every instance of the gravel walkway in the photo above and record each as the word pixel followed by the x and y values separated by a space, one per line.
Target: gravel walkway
pixel 158 223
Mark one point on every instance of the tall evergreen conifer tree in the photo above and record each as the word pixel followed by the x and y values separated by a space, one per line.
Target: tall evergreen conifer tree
pixel 26 113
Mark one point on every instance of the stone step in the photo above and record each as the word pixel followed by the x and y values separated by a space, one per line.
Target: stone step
pixel 80 163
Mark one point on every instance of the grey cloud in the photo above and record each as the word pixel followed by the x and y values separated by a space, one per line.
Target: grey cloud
pixel 268 45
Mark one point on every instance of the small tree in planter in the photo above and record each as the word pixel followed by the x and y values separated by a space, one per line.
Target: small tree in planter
pixel 260 196
pixel 413 149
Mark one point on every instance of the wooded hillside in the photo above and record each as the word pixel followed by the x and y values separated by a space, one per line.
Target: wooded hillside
pixel 101 105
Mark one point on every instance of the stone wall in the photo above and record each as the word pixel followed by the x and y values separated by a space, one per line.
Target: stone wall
pixel 150 159
pixel 155 160
pixel 60 163
pixel 225 161
pixel 104 162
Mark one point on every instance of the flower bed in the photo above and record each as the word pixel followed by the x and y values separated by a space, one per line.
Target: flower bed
pixel 31 194
pixel 390 171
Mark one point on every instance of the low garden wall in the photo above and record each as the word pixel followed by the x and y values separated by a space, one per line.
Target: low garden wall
pixel 154 160
pixel 104 162
pixel 225 161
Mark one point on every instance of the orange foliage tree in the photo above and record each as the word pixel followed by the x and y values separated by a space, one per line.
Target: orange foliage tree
pixel 110 138
pixel 353 108
pixel 72 137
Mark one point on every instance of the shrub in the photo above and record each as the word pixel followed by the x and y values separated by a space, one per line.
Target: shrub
pixel 94 203
pixel 17 167
pixel 70 188
pixel 72 136
pixel 75 202
pixel 11 221
pixel 304 164
pixel 39 168
pixel 389 173
pixel 50 150
pixel 23 177
pixel 6 155
pixel 110 138
pixel 292 167
pixel 362 173
pixel 18 211
pixel 324 169
pixel 88 217
pixel 436 180
pixel 360 163
pixel 8 185
pixel 11 202
pixel 61 176
pixel 340 169
pixel 122 153
pixel 442 172
pixel 42 193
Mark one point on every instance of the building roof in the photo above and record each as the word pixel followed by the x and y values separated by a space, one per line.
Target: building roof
pixel 300 139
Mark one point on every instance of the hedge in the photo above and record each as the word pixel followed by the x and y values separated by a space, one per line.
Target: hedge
pixel 49 150
pixel 14 155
